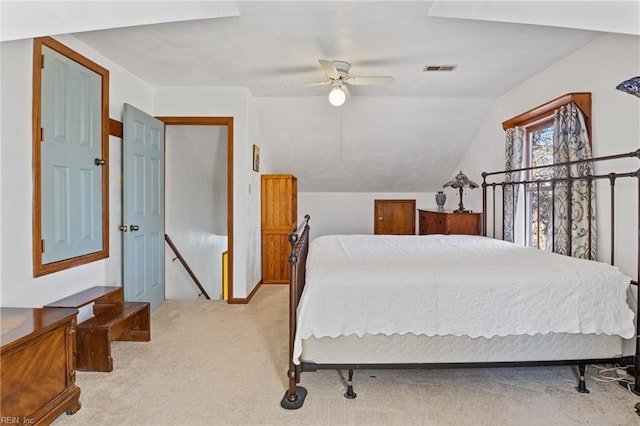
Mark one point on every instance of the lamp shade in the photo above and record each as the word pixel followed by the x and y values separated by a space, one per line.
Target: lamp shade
pixel 460 181
pixel 630 86
pixel 337 96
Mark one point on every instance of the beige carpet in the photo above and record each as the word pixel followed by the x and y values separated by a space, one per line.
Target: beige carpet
pixel 209 363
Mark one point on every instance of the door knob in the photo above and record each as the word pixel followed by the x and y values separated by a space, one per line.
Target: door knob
pixel 380 219
pixel 134 228
pixel 99 162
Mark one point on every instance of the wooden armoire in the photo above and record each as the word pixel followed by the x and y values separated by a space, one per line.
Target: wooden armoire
pixel 279 207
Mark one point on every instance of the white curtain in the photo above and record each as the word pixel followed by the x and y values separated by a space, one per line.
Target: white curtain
pixel 514 147
pixel 571 143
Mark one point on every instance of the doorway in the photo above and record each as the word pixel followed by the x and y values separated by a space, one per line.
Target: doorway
pixel 214 238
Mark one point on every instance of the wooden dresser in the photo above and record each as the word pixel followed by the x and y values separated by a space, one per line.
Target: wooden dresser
pixel 279 213
pixel 36 365
pixel 448 222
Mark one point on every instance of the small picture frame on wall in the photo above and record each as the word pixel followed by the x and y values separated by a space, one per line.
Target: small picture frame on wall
pixel 256 158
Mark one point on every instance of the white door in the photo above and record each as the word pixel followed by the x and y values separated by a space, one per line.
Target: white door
pixel 143 207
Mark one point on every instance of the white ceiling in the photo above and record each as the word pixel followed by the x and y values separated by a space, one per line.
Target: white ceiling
pixel 273 47
pixel 387 138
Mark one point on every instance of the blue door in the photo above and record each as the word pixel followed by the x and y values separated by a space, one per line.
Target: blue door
pixel 143 207
pixel 72 141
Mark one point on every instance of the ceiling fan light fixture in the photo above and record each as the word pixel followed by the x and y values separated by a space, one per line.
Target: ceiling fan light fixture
pixel 337 96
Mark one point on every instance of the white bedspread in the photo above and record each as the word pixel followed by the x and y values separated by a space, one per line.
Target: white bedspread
pixel 455 285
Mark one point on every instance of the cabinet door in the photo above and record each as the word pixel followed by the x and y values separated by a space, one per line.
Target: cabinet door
pixel 431 223
pixel 465 223
pixel 441 223
pixel 423 228
pixel 279 202
pixel 275 252
pixel 394 217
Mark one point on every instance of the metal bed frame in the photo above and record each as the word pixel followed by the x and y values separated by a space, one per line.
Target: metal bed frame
pixel 295 395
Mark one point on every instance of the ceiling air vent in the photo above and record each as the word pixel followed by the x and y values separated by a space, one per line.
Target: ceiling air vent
pixel 429 68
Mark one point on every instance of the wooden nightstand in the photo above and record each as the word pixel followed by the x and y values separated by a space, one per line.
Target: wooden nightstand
pixel 448 222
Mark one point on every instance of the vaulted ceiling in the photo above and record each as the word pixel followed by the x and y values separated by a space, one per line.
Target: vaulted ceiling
pixel 406 136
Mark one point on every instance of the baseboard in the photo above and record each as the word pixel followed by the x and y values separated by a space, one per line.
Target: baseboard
pixel 244 301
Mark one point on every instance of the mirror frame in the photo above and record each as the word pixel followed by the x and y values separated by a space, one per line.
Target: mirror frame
pixel 38 267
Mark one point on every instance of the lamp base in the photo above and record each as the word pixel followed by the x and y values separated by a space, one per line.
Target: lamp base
pixel 460 208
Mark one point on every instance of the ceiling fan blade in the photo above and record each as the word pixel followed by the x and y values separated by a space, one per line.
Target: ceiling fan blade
pixel 324 83
pixel 346 91
pixel 329 68
pixel 378 80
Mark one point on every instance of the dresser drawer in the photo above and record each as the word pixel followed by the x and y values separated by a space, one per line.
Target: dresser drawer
pixel 441 223
pixel 436 222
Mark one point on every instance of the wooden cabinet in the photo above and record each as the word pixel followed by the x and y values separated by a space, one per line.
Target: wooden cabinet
pixel 36 365
pixel 279 212
pixel 394 217
pixel 436 222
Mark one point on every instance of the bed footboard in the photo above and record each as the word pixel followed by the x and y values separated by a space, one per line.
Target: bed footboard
pixel 299 240
pixel 508 182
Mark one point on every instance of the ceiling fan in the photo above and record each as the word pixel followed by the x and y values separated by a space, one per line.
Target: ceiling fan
pixel 338 75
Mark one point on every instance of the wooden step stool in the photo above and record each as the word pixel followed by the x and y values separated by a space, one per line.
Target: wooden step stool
pixel 113 319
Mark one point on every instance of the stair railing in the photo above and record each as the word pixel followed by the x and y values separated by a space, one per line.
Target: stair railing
pixel 186 266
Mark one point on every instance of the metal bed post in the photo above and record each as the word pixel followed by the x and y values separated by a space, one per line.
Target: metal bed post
pixel 503 207
pixel 570 216
pixel 636 387
pixel 295 395
pixel 484 204
pixel 590 217
pixel 612 183
pixel 493 194
pixel 553 215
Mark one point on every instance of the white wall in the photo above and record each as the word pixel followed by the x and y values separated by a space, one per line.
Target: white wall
pixel 352 212
pixel 18 287
pixel 597 68
pixel 234 102
pixel 195 208
pixel 323 145
pixel 254 249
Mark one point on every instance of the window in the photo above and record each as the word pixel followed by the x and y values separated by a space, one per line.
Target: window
pixel 70 158
pixel 539 151
pixel 539 126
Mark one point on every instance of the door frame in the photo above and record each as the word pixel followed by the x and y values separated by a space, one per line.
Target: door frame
pixel 215 121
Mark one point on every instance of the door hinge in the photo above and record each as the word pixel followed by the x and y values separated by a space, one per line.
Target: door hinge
pixel 41 134
pixel 42 61
pixel 42 246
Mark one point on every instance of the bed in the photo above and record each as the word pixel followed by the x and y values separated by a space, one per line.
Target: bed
pixel 442 301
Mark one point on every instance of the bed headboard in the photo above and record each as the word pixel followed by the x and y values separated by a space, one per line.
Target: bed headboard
pixel 498 186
